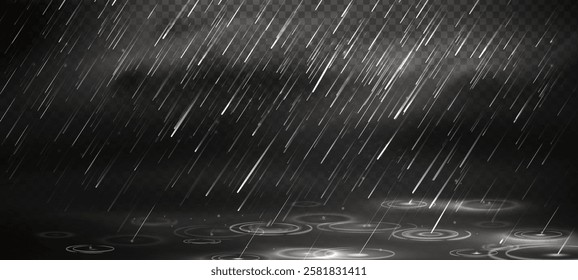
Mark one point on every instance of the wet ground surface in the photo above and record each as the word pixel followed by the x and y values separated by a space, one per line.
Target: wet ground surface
pixel 391 229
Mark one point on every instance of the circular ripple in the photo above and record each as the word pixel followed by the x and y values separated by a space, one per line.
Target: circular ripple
pixel 306 204
pixel 343 253
pixel 487 205
pixel 89 249
pixel 265 229
pixel 129 240
pixel 539 252
pixel 423 234
pixel 153 222
pixel 297 253
pixel 205 232
pixel 492 224
pixel 348 253
pixel 540 235
pixel 202 241
pixel 55 234
pixel 404 204
pixel 492 247
pixel 236 257
pixel 353 227
pixel 321 218
pixel 472 253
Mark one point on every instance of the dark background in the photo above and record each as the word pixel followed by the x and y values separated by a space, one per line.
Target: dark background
pixel 91 94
